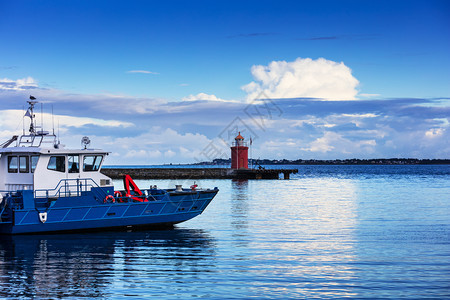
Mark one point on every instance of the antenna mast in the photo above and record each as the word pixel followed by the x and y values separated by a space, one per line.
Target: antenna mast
pixel 53 121
pixel 23 121
pixel 42 120
pixel 58 132
pixel 30 113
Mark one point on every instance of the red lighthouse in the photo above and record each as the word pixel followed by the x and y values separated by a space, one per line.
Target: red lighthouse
pixel 239 153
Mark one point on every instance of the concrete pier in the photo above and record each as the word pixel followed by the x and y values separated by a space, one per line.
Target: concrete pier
pixel 197 173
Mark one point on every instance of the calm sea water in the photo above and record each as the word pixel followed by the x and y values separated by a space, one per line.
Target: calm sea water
pixel 329 232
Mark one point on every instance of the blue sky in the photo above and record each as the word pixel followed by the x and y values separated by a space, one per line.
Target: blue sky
pixel 158 82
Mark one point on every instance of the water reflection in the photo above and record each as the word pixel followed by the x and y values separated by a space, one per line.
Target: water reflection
pixel 239 203
pixel 303 231
pixel 88 265
pixel 239 212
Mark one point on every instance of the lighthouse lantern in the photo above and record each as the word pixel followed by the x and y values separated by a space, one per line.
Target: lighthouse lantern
pixel 239 153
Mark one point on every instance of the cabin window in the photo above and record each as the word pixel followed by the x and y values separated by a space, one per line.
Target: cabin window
pixel 34 160
pixel 57 163
pixel 12 164
pixel 92 162
pixel 74 166
pixel 23 164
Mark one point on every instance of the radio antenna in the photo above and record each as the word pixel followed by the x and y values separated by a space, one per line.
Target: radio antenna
pixel 42 120
pixel 53 121
pixel 58 131
pixel 23 119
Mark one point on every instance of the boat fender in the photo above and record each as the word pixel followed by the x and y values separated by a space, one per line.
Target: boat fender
pixel 43 217
pixel 109 198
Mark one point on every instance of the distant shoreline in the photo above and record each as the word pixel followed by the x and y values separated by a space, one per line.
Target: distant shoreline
pixel 354 161
pixel 221 163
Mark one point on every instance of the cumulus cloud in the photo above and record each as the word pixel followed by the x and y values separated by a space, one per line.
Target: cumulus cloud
pixel 304 77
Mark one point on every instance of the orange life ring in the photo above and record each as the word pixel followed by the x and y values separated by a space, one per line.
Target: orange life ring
pixel 117 194
pixel 109 198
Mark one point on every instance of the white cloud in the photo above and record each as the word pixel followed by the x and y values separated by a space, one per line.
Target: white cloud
pixel 324 144
pixel 19 84
pixel 11 119
pixel 202 96
pixel 154 131
pixel 169 153
pixel 434 132
pixel 332 141
pixel 155 146
pixel 12 122
pixel 369 115
pixel 140 154
pixel 142 72
pixel 80 104
pixel 304 77
pixel 137 154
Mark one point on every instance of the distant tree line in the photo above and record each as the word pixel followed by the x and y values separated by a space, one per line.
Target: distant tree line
pixel 352 161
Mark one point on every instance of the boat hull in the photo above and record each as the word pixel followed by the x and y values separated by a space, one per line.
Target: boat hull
pixel 174 209
pixel 148 221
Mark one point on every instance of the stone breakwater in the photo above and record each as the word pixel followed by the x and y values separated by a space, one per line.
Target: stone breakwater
pixel 197 173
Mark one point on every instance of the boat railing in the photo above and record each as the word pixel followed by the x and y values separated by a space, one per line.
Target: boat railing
pixel 9 142
pixel 71 188
pixel 12 187
pixel 33 140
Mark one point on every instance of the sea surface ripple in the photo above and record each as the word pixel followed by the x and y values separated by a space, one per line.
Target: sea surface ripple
pixel 359 232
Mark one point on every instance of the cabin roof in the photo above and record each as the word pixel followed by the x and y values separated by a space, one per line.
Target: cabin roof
pixel 36 150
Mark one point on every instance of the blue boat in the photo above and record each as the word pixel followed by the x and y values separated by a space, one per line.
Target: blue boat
pixel 47 188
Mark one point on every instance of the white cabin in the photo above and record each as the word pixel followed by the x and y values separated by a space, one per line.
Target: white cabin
pixel 38 162
pixel 35 164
